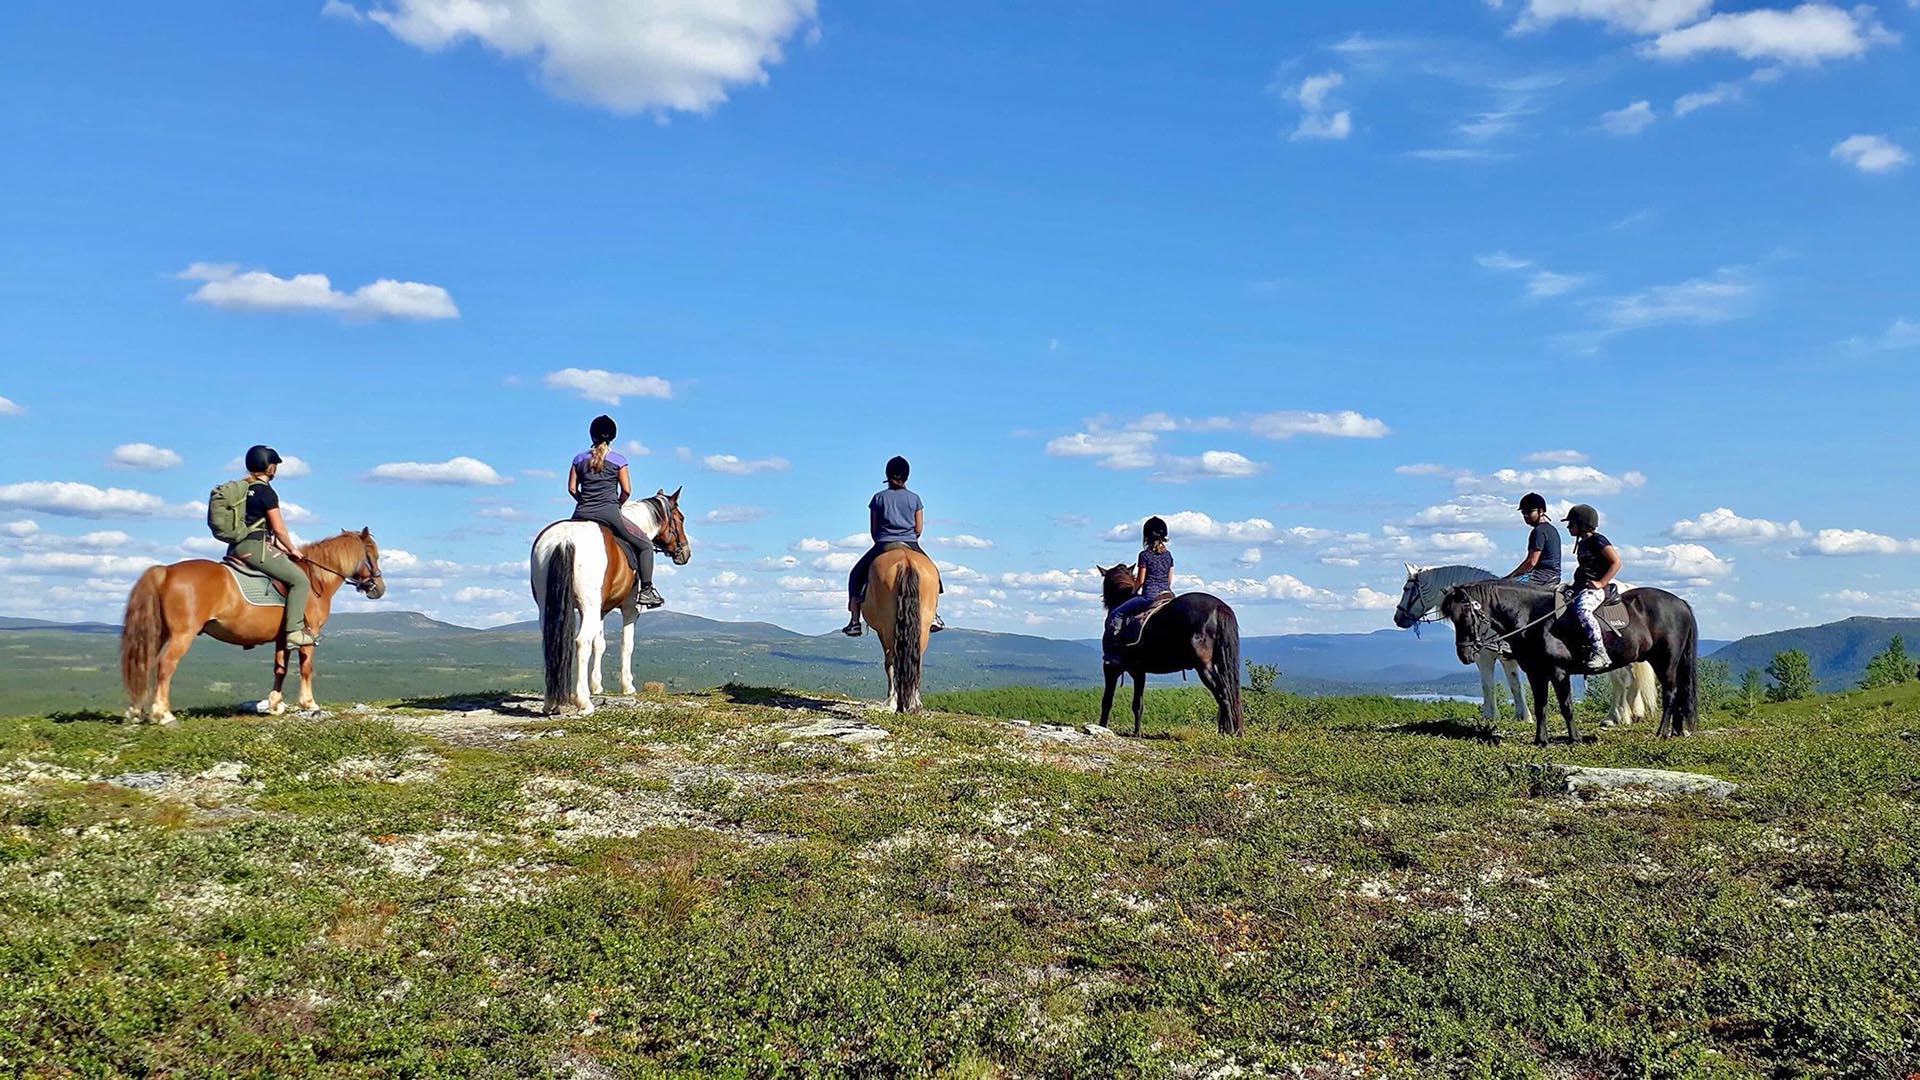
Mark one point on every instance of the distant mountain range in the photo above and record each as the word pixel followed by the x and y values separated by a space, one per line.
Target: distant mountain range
pixel 396 654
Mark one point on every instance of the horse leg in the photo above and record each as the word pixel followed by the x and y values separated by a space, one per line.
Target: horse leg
pixel 1539 681
pixel 276 698
pixel 1139 695
pixel 596 681
pixel 307 703
pixel 1112 674
pixel 583 654
pixel 1519 694
pixel 1563 690
pixel 627 614
pixel 893 689
pixel 1489 691
pixel 174 651
pixel 1221 721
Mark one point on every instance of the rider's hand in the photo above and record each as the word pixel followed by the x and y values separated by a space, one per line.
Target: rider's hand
pixel 1596 586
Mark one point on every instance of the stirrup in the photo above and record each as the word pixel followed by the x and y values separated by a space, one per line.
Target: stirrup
pixel 853 629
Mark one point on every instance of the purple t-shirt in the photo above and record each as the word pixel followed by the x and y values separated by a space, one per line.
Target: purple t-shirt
pixel 1159 566
pixel 598 490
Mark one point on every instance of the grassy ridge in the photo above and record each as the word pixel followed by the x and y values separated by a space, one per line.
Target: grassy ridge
pixel 1362 887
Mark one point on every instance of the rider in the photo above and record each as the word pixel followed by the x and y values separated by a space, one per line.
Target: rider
pixel 1598 566
pixel 258 550
pixel 600 485
pixel 1153 571
pixel 895 517
pixel 1542 564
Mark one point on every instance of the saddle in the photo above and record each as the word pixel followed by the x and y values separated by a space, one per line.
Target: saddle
pixel 1612 614
pixel 255 587
pixel 1134 627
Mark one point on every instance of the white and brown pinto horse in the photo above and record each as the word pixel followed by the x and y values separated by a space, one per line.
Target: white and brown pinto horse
pixel 903 595
pixel 172 605
pixel 580 575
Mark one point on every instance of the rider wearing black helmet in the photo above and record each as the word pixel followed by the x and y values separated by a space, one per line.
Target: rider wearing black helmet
pixel 895 517
pixel 600 485
pixel 1598 565
pixel 269 548
pixel 1542 564
pixel 1154 574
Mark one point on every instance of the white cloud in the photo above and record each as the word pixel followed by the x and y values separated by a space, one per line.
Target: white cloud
pixel 73 563
pixel 1210 463
pixel 1286 587
pixel 1629 119
pixel 1481 510
pixel 501 513
pixel 1248 558
pixel 733 465
pixel 1192 525
pixel 290 467
pixel 21 529
pixel 9 408
pixel 455 471
pixel 142 456
pixel 608 387
pixel 1726 295
pixel 1901 334
pixel 1345 424
pixel 727 579
pixel 1316 121
pixel 227 287
pixel 1807 34
pixel 84 500
pixel 474 594
pixel 1570 479
pixel 838 562
pixel 1674 564
pixel 1838 543
pixel 777 562
pixel 1724 524
pixel 1557 457
pixel 1500 260
pixel 1115 449
pixel 1426 468
pixel 1544 284
pixel 634 56
pixel 1628 16
pixel 967 541
pixel 102 539
pixel 1870 153
pixel 733 515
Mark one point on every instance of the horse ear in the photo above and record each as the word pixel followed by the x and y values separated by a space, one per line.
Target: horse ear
pixel 1412 570
pixel 675 497
pixel 366 533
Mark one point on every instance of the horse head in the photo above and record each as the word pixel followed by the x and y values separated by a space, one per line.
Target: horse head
pixel 1407 613
pixel 1117 584
pixel 673 538
pixel 1471 625
pixel 371 584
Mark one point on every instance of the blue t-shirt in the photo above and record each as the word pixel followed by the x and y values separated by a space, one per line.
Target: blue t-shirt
pixel 1159 566
pixel 598 490
pixel 1546 541
pixel 1591 551
pixel 893 510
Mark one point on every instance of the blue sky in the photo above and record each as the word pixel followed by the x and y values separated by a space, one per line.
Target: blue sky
pixel 1333 285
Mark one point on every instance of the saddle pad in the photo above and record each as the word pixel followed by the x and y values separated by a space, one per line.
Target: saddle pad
pixel 1135 627
pixel 256 588
pixel 1613 614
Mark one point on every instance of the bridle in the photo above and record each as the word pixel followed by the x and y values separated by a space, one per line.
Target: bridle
pixel 1480 627
pixel 364 577
pixel 665 513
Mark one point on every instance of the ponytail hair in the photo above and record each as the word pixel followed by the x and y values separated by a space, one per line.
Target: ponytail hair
pixel 597 461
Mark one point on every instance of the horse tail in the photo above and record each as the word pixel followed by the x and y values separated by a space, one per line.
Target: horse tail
pixel 140 632
pixel 557 643
pixel 1686 669
pixel 906 637
pixel 1226 663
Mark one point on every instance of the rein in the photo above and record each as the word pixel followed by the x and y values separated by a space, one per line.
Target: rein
pixel 1480 641
pixel 363 577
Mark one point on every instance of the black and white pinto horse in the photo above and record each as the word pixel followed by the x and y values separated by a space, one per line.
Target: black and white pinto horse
pixel 1661 631
pixel 1634 691
pixel 579 575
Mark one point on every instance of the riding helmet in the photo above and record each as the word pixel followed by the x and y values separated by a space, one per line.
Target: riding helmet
pixel 1583 517
pixel 602 430
pixel 1532 500
pixel 1153 531
pixel 897 468
pixel 259 457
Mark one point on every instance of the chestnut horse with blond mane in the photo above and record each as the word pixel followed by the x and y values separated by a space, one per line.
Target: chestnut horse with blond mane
pixel 579 576
pixel 903 593
pixel 172 605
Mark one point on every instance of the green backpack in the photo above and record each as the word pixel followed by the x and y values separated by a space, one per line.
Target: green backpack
pixel 227 512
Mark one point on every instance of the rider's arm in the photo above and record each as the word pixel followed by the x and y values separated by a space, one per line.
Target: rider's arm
pixel 1139 576
pixel 1532 560
pixel 919 522
pixel 873 521
pixel 277 525
pixel 573 482
pixel 1613 567
pixel 626 484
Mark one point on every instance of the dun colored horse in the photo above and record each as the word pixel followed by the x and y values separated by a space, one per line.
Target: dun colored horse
pixel 171 605
pixel 580 575
pixel 1196 632
pixel 903 592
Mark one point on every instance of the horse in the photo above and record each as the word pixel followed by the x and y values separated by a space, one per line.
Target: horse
pixel 1661 631
pixel 903 593
pixel 1195 631
pixel 171 605
pixel 579 574
pixel 1634 691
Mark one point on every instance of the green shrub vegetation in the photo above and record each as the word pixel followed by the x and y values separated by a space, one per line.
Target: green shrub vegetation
pixel 1360 887
pixel 1792 675
pixel 1890 668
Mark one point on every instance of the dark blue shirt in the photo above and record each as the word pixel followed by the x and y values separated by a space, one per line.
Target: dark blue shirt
pixel 1591 552
pixel 893 511
pixel 1545 540
pixel 1159 566
pixel 598 490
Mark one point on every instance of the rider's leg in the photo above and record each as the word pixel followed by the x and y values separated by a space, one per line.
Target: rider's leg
pixel 857 590
pixel 1586 603
pixel 274 563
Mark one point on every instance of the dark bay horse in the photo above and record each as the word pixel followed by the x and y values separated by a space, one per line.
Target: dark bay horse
pixel 1660 631
pixel 1195 632
pixel 172 605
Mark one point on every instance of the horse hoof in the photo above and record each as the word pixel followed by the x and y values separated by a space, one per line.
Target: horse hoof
pixel 166 719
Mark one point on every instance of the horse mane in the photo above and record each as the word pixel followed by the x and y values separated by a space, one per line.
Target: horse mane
pixel 329 552
pixel 1112 593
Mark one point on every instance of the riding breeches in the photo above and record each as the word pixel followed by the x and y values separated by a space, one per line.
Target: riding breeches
pixel 1586 605
pixel 639 549
pixel 260 555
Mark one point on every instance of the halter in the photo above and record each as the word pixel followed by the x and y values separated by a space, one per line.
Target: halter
pixel 1480 625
